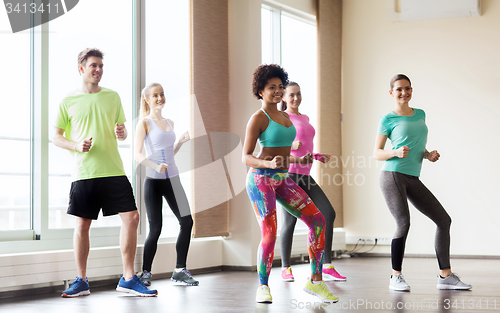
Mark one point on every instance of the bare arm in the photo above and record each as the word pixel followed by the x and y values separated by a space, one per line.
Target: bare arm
pixel 183 138
pixel 63 142
pixel 308 158
pixel 382 155
pixel 139 144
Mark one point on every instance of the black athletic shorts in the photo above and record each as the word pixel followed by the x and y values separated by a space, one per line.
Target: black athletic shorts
pixel 113 194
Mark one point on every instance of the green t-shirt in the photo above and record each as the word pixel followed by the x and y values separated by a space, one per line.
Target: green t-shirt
pixel 409 131
pixel 84 115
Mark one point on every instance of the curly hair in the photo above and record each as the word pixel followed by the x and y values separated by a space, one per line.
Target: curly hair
pixel 265 72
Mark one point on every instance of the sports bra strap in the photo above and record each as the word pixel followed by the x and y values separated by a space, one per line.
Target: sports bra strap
pixel 270 117
pixel 265 113
pixel 171 128
pixel 285 115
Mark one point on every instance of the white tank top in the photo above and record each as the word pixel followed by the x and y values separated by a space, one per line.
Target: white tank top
pixel 160 149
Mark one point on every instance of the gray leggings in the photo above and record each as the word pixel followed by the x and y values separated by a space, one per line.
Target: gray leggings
pixel 397 188
pixel 313 190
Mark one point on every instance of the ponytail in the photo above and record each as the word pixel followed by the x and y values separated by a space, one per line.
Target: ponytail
pixel 145 108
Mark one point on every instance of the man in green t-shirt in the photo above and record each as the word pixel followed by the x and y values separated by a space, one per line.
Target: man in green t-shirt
pixel 88 124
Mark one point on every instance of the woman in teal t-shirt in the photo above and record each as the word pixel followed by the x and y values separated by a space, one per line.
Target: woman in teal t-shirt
pixel 399 181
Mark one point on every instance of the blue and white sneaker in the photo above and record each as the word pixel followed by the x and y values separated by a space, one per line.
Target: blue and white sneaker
pixel 78 288
pixel 136 287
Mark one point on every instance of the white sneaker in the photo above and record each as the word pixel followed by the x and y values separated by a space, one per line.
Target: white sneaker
pixel 398 283
pixel 264 294
pixel 452 282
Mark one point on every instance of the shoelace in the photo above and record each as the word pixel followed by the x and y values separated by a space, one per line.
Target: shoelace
pixel 399 278
pixel 288 270
pixel 325 288
pixel 265 290
pixel 187 272
pixel 457 277
pixel 140 282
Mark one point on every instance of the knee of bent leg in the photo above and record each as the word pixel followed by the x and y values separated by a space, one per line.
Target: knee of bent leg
pixel 155 230
pixel 131 218
pixel 318 223
pixel 445 222
pixel 186 222
pixel 403 227
pixel 83 224
pixel 268 238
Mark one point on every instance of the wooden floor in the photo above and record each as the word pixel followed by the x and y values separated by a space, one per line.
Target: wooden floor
pixel 366 289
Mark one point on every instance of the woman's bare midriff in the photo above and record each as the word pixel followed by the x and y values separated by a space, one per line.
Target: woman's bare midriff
pixel 268 153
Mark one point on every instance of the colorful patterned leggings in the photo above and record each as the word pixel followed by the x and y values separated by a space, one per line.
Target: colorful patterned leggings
pixel 264 187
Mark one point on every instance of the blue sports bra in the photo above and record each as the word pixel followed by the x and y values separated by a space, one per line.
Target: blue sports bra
pixel 277 135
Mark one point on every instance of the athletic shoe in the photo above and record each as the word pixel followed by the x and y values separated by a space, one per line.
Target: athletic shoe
pixel 146 277
pixel 136 287
pixel 286 274
pixel 321 291
pixel 184 277
pixel 264 294
pixel 330 273
pixel 398 283
pixel 452 282
pixel 78 288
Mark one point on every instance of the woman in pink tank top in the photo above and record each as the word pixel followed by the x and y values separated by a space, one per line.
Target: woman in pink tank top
pixel 300 173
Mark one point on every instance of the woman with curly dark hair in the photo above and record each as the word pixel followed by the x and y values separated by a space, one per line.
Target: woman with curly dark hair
pixel 268 181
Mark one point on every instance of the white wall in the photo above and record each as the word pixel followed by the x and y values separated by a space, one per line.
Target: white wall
pixel 244 57
pixel 455 71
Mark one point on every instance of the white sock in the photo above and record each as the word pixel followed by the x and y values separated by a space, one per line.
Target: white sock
pixel 178 270
pixel 316 282
pixel 327 264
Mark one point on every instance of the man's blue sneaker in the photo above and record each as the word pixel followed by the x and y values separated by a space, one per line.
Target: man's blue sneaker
pixel 78 288
pixel 136 287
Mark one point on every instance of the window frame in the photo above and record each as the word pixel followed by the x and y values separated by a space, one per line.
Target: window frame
pixel 40 237
pixel 277 11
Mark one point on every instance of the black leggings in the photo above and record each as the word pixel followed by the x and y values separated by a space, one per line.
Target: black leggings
pixel 397 188
pixel 314 191
pixel 171 189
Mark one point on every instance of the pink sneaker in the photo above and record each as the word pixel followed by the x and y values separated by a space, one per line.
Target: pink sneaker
pixel 330 273
pixel 287 275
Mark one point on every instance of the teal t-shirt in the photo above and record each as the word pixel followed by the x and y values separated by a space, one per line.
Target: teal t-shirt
pixel 84 115
pixel 409 131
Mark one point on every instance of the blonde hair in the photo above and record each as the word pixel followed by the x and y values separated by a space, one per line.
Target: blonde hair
pixel 145 108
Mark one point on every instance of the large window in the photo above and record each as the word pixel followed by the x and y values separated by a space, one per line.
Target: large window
pixel 291 41
pixel 106 25
pixel 40 69
pixel 15 129
pixel 168 62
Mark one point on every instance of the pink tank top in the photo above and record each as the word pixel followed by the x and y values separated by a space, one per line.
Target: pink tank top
pixel 305 134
